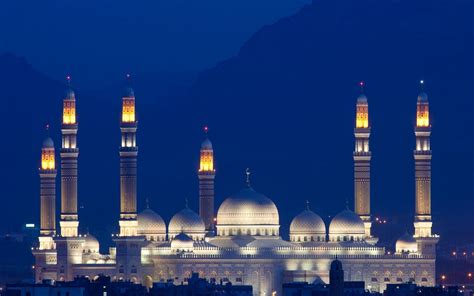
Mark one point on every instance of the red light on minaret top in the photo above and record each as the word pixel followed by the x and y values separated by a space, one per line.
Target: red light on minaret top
pixel 128 103
pixel 69 105
pixel 47 153
pixel 362 109
pixel 422 108
pixel 206 163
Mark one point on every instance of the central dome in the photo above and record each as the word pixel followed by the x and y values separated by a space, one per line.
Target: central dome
pixel 248 212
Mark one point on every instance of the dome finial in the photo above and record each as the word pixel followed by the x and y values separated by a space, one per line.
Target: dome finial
pixel 422 85
pixel 347 204
pixel 147 203
pixel 186 205
pixel 247 172
pixel 206 129
pixel 68 80
pixel 307 205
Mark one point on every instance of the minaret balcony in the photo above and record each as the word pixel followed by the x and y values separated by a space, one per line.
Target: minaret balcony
pixel 69 126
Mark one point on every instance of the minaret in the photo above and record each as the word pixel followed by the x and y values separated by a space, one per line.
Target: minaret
pixel 47 173
pixel 422 156
pixel 362 156
pixel 69 153
pixel 206 176
pixel 128 165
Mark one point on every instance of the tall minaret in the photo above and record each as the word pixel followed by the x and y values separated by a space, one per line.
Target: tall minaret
pixel 69 153
pixel 422 155
pixel 47 174
pixel 206 176
pixel 362 156
pixel 128 165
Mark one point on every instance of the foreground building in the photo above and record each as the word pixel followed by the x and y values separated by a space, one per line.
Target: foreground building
pixel 242 243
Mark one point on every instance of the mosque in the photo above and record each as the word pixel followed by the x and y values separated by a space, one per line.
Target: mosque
pixel 241 241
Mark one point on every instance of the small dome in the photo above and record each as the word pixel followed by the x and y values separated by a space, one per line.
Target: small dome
pixel 248 207
pixel 362 98
pixel 346 225
pixel 91 244
pixel 307 222
pixel 307 227
pixel 422 97
pixel 48 143
pixel 128 92
pixel 406 243
pixel 182 237
pixel 150 223
pixel 206 145
pixel 186 221
pixel 182 242
pixel 70 93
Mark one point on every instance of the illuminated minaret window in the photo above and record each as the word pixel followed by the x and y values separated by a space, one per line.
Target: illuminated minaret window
pixel 47 174
pixel 69 221
pixel 128 165
pixel 206 176
pixel 362 156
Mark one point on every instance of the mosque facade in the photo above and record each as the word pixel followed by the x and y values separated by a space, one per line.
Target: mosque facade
pixel 241 241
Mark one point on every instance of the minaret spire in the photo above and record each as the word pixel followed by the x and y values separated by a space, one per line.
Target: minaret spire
pixel 362 157
pixel 47 173
pixel 69 154
pixel 422 155
pixel 206 175
pixel 128 164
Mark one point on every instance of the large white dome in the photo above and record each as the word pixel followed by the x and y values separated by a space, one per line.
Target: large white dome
pixel 151 225
pixel 307 226
pixel 248 213
pixel 346 226
pixel 188 222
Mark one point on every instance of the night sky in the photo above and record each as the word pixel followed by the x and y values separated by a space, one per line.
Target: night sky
pixel 276 81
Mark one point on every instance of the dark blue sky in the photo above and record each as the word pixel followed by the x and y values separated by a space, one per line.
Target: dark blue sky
pixel 282 104
pixel 97 41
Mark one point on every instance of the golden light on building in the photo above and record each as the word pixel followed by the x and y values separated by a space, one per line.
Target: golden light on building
pixel 47 159
pixel 422 114
pixel 207 161
pixel 362 116
pixel 128 109
pixel 69 111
